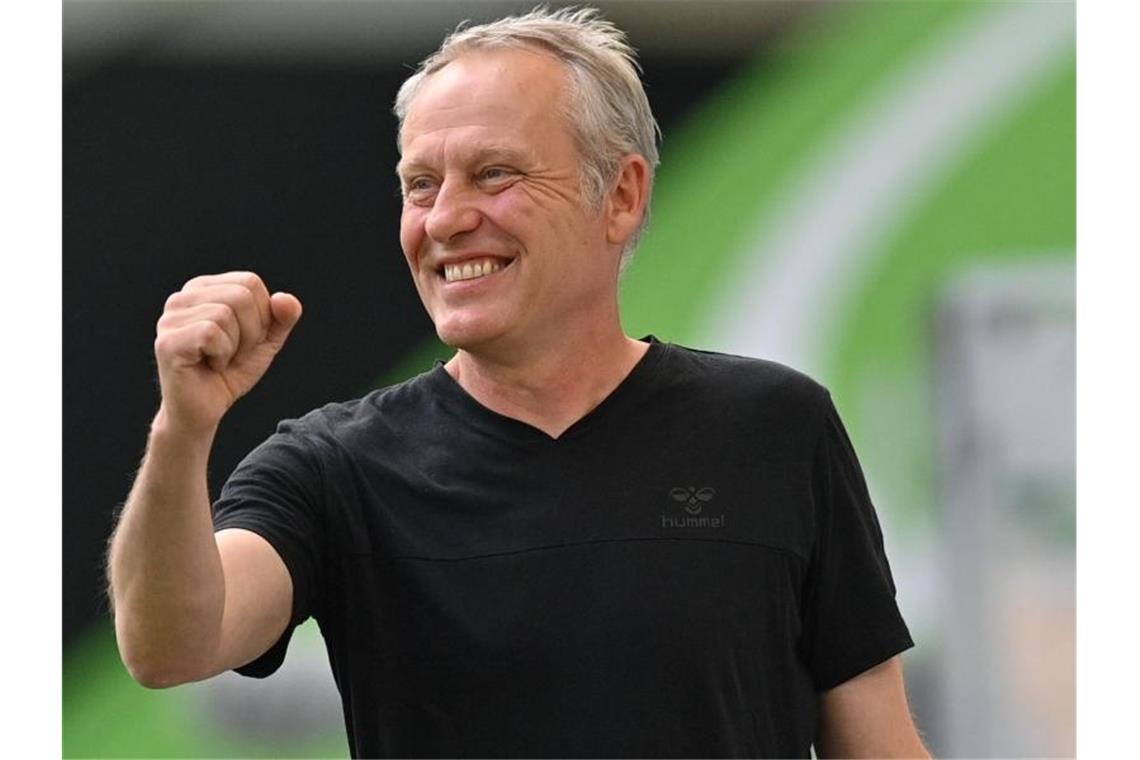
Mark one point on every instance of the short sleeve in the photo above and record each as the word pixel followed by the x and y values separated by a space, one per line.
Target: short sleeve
pixel 276 492
pixel 851 619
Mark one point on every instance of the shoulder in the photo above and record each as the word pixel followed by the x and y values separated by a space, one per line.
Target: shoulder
pixel 381 412
pixel 748 382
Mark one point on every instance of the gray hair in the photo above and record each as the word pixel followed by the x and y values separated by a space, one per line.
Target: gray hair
pixel 607 105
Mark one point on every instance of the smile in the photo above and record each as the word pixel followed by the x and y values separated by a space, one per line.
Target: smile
pixel 474 269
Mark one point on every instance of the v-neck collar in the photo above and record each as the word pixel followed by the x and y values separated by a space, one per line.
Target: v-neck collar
pixel 632 386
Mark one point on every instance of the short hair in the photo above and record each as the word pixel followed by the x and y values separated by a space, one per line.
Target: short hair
pixel 607 106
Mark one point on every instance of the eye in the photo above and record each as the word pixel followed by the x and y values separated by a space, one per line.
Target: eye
pixel 419 188
pixel 496 174
pixel 419 184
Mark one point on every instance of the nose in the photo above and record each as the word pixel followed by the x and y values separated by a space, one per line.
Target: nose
pixel 452 213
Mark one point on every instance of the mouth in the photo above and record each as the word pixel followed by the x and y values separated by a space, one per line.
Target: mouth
pixel 472 269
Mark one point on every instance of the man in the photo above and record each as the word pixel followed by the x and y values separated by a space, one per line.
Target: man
pixel 562 541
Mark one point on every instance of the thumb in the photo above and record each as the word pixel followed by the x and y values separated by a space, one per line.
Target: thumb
pixel 286 310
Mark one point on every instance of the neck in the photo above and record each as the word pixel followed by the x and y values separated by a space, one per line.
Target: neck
pixel 550 387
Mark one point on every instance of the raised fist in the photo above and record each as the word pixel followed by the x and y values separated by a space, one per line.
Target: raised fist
pixel 216 338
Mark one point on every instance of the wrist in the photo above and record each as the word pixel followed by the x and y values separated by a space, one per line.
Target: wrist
pixel 169 430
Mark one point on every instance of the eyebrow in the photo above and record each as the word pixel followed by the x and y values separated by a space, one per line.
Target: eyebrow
pixel 479 154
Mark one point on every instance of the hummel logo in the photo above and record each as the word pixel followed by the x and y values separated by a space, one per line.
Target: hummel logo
pixel 694 500
pixel 692 497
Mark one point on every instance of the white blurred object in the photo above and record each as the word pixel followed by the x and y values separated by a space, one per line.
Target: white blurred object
pixel 297 705
pixel 1006 349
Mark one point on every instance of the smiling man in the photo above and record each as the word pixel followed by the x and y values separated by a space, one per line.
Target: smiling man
pixel 562 542
pixel 515 257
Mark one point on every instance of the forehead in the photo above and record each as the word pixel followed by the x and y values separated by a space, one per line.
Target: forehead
pixel 496 97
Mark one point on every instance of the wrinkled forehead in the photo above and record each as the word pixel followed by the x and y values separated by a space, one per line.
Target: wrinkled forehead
pixel 503 88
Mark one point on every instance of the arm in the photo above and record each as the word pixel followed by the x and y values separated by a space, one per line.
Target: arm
pixel 868 716
pixel 188 603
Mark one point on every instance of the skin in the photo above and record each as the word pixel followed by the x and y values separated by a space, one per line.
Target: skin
pixel 191 603
pixel 868 716
pixel 488 167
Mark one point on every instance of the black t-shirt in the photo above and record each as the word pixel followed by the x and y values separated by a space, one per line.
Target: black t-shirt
pixel 678 574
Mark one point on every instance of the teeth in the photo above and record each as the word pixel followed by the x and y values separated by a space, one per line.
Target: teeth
pixel 471 269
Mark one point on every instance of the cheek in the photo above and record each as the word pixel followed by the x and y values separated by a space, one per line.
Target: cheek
pixel 520 224
pixel 411 233
pixel 504 212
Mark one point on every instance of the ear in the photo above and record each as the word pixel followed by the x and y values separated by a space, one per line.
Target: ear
pixel 625 204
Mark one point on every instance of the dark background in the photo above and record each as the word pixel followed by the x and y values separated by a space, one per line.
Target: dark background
pixel 182 164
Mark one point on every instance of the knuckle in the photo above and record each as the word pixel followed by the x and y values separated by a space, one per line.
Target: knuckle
pixel 166 322
pixel 225 317
pixel 221 312
pixel 168 345
pixel 247 281
pixel 215 339
pixel 192 283
pixel 250 280
pixel 212 331
pixel 246 297
pixel 174 301
pixel 250 303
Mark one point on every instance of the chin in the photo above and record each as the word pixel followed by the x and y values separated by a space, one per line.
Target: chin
pixel 466 334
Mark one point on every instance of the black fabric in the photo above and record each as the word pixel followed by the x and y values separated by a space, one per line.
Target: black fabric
pixel 678 575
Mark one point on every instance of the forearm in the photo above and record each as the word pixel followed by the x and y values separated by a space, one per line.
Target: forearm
pixel 900 742
pixel 869 716
pixel 165 572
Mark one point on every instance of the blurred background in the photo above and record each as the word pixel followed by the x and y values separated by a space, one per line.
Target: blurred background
pixel 881 194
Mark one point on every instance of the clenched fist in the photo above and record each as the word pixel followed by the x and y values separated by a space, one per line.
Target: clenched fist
pixel 216 338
